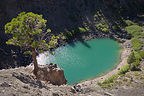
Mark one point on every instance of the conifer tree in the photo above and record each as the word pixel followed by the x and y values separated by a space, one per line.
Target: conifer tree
pixel 28 30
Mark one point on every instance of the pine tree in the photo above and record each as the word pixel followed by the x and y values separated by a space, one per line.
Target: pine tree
pixel 131 58
pixel 27 30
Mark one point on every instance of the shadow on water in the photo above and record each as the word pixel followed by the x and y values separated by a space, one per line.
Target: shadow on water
pixel 85 44
pixel 72 44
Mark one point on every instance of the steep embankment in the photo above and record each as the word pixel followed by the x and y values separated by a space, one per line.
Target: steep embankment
pixel 21 82
pixel 63 16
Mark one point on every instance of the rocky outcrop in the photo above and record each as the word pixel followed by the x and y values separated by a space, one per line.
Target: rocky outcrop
pixel 52 74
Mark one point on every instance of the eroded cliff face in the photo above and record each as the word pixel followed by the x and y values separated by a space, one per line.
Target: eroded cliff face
pixel 62 15
pixel 51 73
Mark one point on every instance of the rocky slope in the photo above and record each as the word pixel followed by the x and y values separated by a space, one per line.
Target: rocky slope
pixel 21 82
pixel 62 15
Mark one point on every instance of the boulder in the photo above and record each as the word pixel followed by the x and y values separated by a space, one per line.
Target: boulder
pixel 51 73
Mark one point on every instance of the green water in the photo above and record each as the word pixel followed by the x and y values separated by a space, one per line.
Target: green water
pixel 85 60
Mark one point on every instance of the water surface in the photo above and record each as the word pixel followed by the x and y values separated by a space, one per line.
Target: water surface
pixel 84 60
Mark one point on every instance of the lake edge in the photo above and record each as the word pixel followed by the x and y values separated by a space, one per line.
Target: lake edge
pixel 115 69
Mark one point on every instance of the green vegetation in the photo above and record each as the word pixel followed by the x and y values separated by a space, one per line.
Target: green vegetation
pixel 108 82
pixel 135 65
pixel 137 56
pixel 134 30
pixel 82 30
pixel 69 34
pixel 129 22
pixel 101 22
pixel 27 31
pixel 141 53
pixel 124 69
pixel 131 58
pixel 77 30
pixel 140 36
pixel 110 79
pixel 133 61
pixel 102 27
pixel 136 44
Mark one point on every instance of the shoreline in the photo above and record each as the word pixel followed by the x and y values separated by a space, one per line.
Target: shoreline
pixel 101 77
pixel 124 53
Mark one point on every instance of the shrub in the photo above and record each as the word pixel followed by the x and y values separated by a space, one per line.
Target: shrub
pixel 141 53
pixel 140 36
pixel 108 82
pixel 100 84
pixel 135 65
pixel 82 30
pixel 114 27
pixel 95 17
pixel 73 32
pixel 102 27
pixel 105 85
pixel 134 61
pixel 124 69
pixel 131 58
pixel 136 44
pixel 137 56
pixel 87 28
pixel 110 79
pixel 69 34
pixel 134 30
pixel 105 29
pixel 64 37
pixel 129 22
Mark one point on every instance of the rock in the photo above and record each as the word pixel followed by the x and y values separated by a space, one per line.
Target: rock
pixel 73 90
pixel 77 88
pixel 5 84
pixel 51 73
pixel 55 94
pixel 108 94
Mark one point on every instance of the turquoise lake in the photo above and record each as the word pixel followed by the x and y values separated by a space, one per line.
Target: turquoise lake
pixel 85 60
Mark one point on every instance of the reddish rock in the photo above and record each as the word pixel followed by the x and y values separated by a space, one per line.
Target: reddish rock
pixel 52 73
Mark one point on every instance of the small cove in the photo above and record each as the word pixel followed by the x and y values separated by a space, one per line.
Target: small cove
pixel 84 60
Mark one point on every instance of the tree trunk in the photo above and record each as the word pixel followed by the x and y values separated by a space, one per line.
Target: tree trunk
pixel 35 61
